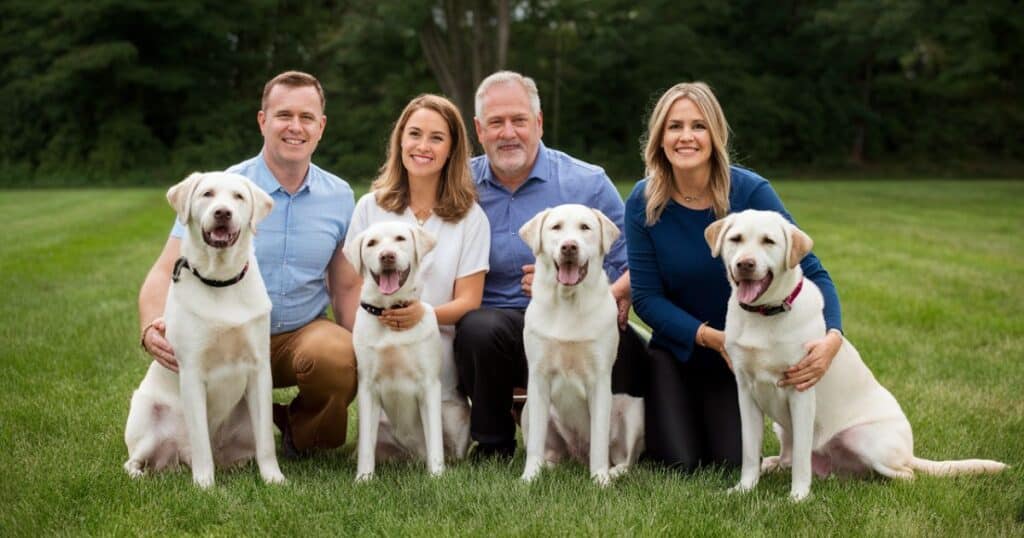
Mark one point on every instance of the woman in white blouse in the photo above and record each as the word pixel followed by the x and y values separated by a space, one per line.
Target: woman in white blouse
pixel 426 181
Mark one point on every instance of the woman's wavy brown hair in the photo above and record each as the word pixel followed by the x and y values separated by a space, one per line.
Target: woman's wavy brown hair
pixel 455 190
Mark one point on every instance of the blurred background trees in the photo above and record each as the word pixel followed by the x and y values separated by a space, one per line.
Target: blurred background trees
pixel 119 92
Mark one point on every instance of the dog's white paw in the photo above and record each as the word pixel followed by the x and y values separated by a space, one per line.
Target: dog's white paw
pixel 363 478
pixel 799 494
pixel 602 478
pixel 530 474
pixel 134 469
pixel 618 470
pixel 437 470
pixel 204 481
pixel 740 488
pixel 773 463
pixel 274 478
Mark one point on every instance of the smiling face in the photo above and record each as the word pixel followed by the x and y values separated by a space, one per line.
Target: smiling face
pixel 292 122
pixel 570 237
pixel 686 139
pixel 426 144
pixel 388 253
pixel 509 131
pixel 218 206
pixel 758 248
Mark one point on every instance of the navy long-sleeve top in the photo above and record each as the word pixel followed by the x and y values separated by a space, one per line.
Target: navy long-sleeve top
pixel 676 283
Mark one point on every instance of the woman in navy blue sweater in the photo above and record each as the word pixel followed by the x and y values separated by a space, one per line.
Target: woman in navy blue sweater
pixel 681 292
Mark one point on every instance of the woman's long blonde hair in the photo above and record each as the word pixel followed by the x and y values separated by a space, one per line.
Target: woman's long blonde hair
pixel 660 184
pixel 455 190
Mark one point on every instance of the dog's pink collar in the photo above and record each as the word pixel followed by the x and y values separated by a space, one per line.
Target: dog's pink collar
pixel 182 263
pixel 786 305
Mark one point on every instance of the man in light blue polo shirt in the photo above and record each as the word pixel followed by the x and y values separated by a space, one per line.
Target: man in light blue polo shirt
pixel 298 247
pixel 517 178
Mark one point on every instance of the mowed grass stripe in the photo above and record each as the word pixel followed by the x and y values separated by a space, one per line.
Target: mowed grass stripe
pixel 930 281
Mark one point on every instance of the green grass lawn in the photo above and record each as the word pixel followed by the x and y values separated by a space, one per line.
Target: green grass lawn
pixel 931 277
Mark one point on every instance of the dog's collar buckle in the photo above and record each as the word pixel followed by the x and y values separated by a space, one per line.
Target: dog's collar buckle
pixel 377 310
pixel 182 263
pixel 786 305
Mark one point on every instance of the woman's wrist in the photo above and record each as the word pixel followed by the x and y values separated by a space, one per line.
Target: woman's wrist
pixel 142 335
pixel 701 337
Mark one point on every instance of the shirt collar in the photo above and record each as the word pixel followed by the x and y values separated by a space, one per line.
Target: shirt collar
pixel 266 179
pixel 541 170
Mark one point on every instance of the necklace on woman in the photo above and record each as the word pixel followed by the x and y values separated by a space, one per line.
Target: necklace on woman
pixel 691 199
pixel 421 220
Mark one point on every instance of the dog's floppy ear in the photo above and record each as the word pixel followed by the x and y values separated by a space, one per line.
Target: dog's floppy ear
pixel 714 234
pixel 353 250
pixel 530 232
pixel 799 245
pixel 609 231
pixel 180 196
pixel 424 242
pixel 262 204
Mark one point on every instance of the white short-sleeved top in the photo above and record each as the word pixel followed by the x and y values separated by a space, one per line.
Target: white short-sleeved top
pixel 462 248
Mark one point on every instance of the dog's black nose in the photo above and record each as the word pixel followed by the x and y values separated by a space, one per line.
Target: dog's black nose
pixel 569 248
pixel 746 264
pixel 387 258
pixel 222 214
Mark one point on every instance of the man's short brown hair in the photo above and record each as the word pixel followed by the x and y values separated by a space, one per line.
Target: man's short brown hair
pixel 294 79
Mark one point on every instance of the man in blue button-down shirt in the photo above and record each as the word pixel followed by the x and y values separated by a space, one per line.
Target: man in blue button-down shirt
pixel 298 247
pixel 517 178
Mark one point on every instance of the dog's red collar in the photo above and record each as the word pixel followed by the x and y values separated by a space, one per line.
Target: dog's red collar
pixel 182 263
pixel 786 305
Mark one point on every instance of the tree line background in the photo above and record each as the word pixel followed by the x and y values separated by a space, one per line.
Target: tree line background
pixel 116 92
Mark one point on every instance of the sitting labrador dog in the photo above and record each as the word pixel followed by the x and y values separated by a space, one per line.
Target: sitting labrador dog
pixel 571 339
pixel 399 370
pixel 217 409
pixel 847 423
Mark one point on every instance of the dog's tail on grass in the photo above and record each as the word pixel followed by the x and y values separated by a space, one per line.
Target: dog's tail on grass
pixel 955 467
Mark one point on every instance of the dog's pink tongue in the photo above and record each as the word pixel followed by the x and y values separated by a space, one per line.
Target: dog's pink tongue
pixel 569 274
pixel 388 282
pixel 750 290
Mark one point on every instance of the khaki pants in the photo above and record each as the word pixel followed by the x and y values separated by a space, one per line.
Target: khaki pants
pixel 320 360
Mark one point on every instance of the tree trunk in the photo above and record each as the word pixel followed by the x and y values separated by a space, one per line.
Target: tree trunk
pixel 860 131
pixel 470 43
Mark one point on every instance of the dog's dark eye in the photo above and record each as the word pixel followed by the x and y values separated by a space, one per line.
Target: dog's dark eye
pixel 238 196
pixel 400 238
pixel 371 243
pixel 584 227
pixel 556 227
pixel 768 241
pixel 736 239
pixel 208 194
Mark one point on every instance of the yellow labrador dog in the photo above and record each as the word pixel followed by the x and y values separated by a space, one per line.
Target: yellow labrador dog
pixel 399 371
pixel 571 339
pixel 847 423
pixel 218 407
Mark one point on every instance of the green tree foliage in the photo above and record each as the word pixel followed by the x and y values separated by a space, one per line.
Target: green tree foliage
pixel 117 90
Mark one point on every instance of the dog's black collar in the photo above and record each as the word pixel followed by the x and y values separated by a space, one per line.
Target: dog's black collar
pixel 786 305
pixel 182 263
pixel 376 310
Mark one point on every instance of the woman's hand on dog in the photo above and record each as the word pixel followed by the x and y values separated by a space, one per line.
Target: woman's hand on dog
pixel 806 373
pixel 713 339
pixel 404 318
pixel 154 341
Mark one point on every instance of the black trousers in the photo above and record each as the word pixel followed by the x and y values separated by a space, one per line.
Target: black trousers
pixel 490 361
pixel 691 413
